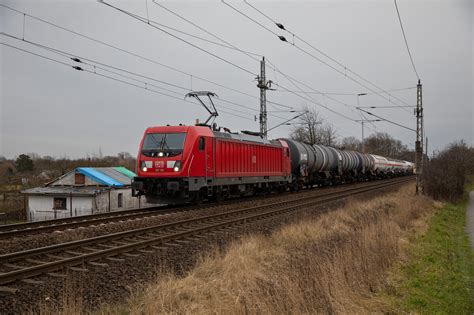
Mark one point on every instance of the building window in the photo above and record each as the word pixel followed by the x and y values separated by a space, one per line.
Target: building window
pixel 59 204
pixel 120 200
pixel 79 179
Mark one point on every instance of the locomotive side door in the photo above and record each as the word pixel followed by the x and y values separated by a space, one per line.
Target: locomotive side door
pixel 209 157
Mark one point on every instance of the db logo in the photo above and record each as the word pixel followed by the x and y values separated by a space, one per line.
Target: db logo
pixel 159 164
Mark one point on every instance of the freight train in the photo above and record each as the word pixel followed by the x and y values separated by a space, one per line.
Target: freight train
pixel 179 164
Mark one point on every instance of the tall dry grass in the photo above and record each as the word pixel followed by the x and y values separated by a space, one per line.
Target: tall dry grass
pixel 333 264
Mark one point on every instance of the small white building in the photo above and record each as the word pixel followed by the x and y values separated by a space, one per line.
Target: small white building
pixel 83 191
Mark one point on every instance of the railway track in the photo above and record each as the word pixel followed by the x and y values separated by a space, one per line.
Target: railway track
pixel 95 251
pixel 38 227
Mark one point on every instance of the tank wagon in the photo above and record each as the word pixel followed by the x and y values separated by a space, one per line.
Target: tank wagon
pixel 178 164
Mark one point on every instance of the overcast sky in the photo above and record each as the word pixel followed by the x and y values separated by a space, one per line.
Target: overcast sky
pixel 51 109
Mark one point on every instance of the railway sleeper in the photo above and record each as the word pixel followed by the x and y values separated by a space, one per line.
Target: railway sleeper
pixel 158 247
pixel 121 242
pixel 115 259
pixel 55 257
pixel 31 281
pixel 73 253
pixel 104 246
pixel 78 269
pixel 34 261
pixel 91 249
pixel 182 241
pixel 13 266
pixel 172 244
pixel 130 255
pixel 56 275
pixel 145 251
pixel 8 290
pixel 97 264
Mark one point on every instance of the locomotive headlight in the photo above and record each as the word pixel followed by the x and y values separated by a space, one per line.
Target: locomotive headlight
pixel 143 166
pixel 177 166
pixel 160 154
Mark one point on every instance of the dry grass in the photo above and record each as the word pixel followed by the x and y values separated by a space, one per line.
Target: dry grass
pixel 334 264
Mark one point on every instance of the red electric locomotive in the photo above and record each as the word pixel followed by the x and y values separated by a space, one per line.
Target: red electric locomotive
pixel 178 164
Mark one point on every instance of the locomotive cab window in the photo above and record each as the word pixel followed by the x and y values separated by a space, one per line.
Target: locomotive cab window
pixel 163 144
pixel 202 144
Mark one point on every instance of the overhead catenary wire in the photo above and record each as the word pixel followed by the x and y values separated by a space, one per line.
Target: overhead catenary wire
pixel 115 79
pixel 406 42
pixel 355 94
pixel 145 58
pixel 95 64
pixel 345 68
pixel 224 41
pixel 154 61
pixel 230 44
pixel 143 20
pixel 136 55
pixel 387 120
pixel 292 80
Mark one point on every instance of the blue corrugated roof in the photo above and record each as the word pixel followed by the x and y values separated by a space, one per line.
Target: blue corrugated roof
pixel 99 176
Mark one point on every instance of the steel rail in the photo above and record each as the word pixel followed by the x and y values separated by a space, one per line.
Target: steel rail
pixel 122 234
pixel 30 228
pixel 204 224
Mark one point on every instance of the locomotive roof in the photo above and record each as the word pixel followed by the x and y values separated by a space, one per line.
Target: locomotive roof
pixel 217 134
pixel 244 137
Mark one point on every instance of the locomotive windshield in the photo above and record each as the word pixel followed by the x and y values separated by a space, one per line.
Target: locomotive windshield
pixel 163 144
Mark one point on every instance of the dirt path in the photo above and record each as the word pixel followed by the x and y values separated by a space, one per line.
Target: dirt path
pixel 470 217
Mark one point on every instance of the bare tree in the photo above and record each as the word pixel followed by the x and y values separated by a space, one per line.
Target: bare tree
pixel 350 143
pixel 328 135
pixel 384 144
pixel 308 126
pixel 124 156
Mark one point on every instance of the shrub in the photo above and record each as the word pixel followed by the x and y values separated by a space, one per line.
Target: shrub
pixel 445 174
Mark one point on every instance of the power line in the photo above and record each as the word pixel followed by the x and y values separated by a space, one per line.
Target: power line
pixel 405 38
pixel 281 26
pixel 249 54
pixel 355 94
pixel 226 42
pixel 143 20
pixel 316 103
pixel 293 80
pixel 152 61
pixel 383 106
pixel 253 20
pixel 212 34
pixel 114 79
pixel 389 121
pixel 138 55
pixel 346 69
